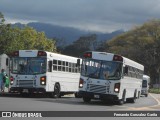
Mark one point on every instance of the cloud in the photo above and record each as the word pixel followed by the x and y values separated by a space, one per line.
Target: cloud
pixel 95 15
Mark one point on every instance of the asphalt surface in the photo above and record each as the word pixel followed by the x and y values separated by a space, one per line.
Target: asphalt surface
pixel 40 102
pixel 14 102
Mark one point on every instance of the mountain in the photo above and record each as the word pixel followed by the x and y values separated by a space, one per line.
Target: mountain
pixel 108 36
pixel 68 34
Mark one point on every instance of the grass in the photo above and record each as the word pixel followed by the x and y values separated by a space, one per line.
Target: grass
pixel 154 90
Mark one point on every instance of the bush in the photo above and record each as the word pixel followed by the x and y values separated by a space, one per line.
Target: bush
pixel 154 90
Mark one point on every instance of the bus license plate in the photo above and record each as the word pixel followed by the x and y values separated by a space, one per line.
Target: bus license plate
pixel 96 96
pixel 25 90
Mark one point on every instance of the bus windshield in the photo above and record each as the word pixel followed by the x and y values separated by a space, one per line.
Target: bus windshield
pixel 144 83
pixel 105 70
pixel 28 65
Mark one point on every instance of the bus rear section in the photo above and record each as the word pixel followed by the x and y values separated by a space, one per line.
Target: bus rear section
pixel 108 77
pixel 145 85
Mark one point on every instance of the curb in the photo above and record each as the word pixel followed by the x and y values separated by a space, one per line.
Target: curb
pixel 155 99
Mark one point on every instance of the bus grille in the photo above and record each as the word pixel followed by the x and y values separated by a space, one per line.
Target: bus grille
pixel 97 88
pixel 26 83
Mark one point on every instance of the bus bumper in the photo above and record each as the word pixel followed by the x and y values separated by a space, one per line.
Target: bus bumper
pixel 144 92
pixel 27 90
pixel 98 96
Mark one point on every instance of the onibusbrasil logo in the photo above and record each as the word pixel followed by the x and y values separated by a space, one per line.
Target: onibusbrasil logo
pixel 21 114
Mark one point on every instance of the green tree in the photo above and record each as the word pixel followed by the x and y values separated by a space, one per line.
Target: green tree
pixel 141 44
pixel 84 43
pixel 4 33
pixel 1 19
pixel 14 38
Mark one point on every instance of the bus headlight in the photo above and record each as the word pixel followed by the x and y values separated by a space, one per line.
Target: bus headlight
pixel 81 81
pixel 43 80
pixel 117 87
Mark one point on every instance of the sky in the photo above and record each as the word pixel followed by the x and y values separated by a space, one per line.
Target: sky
pixel 90 15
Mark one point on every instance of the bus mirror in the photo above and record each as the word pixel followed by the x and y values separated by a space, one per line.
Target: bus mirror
pixel 50 66
pixel 125 70
pixel 78 62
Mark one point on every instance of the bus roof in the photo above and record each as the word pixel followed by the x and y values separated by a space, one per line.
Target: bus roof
pixel 132 63
pixel 109 57
pixel 34 53
pixel 62 57
pixel 147 78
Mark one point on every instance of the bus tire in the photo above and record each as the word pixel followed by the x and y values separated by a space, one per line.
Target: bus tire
pixel 122 101
pixel 138 94
pixel 86 99
pixel 146 95
pixel 133 100
pixel 77 95
pixel 57 91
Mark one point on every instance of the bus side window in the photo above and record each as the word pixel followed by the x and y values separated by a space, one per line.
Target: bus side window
pixel 70 67
pixel 78 62
pixel 59 65
pixel 73 67
pixel 67 67
pixel 7 62
pixel 49 66
pixel 55 65
pixel 63 66
pixel 126 70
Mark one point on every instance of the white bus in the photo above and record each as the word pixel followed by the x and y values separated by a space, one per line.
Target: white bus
pixel 34 71
pixel 145 85
pixel 4 63
pixel 108 76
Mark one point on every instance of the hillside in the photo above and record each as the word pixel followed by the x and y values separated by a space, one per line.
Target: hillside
pixel 68 34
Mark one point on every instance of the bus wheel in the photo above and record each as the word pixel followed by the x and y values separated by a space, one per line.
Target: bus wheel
pixel 146 95
pixel 133 100
pixel 86 99
pixel 77 95
pixel 138 95
pixel 122 101
pixel 57 91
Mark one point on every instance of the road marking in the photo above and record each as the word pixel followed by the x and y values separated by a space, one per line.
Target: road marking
pixel 136 108
pixel 155 99
pixel 143 108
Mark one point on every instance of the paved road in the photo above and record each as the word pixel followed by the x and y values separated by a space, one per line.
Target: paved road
pixel 69 103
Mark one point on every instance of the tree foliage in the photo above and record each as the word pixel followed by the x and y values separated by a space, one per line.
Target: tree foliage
pixel 141 44
pixel 84 43
pixel 27 38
